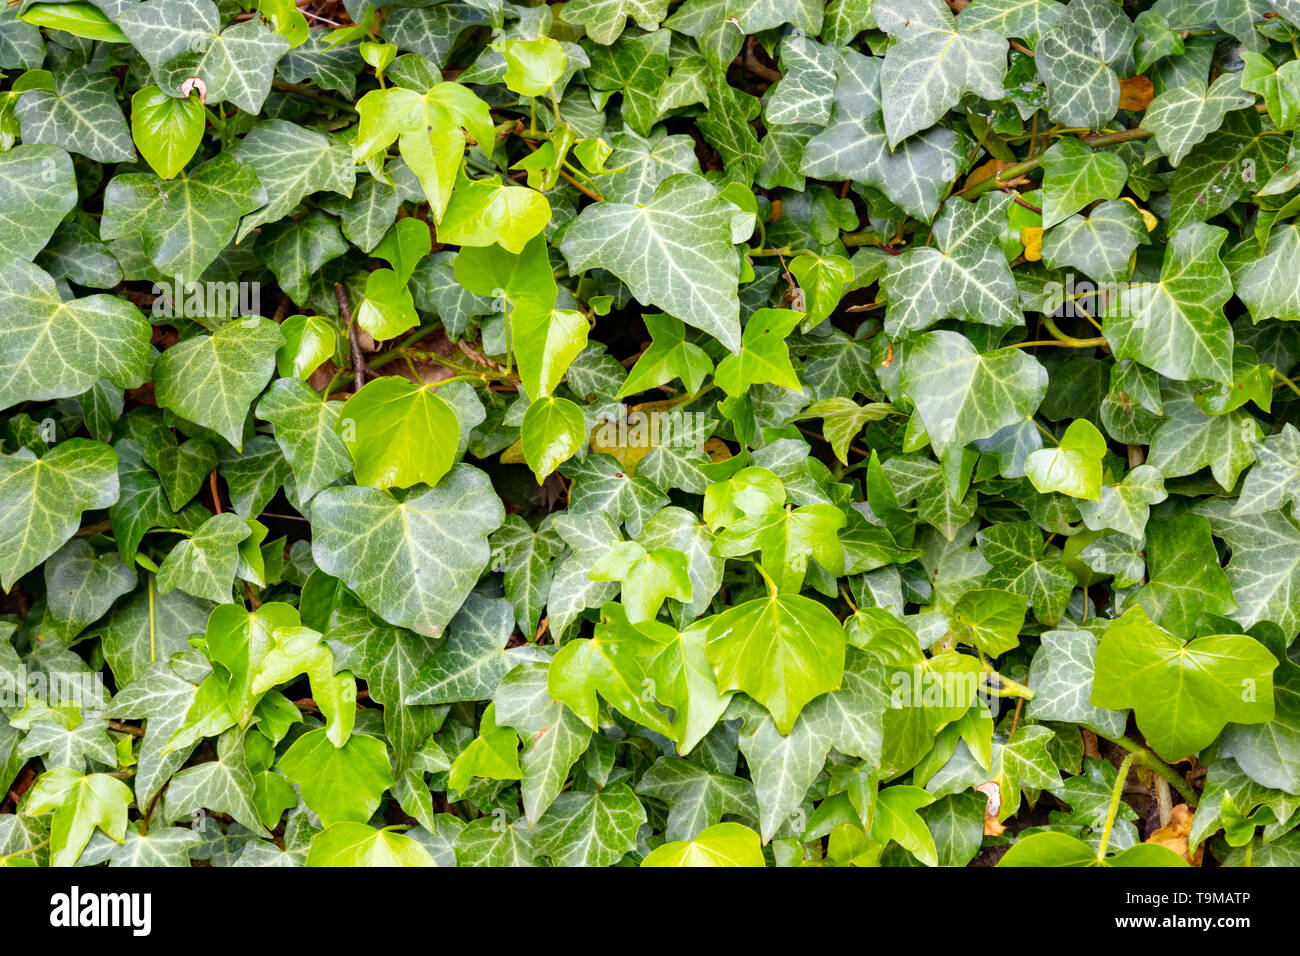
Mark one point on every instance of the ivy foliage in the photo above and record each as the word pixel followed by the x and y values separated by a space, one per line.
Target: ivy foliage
pixel 634 432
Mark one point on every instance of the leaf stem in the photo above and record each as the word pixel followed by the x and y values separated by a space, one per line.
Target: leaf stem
pixel 1115 795
pixel 1152 762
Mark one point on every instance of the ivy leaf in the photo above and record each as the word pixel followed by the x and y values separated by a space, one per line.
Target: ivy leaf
pixel 783 651
pixel 989 619
pixel 1182 694
pixel 854 145
pixel 604 19
pixel 842 419
pixel 81 805
pixel 1210 179
pixel 930 65
pixel 1061 678
pixel 352 843
pixel 897 820
pixel 723 844
pixel 1191 440
pixel 1186 581
pixel 590 829
pixel 204 564
pixel 1075 175
pixel 1274 479
pixel 1081 59
pixel 763 355
pixel 80 587
pixel 212 380
pixel 1261 282
pixel 1052 848
pixel 80 114
pixel 398 433
pixel 1176 325
pixel 669 356
pixel 1126 505
pixel 184 223
pixel 965 277
pixel 552 432
pixel 56 348
pixel 1015 549
pixel 41 500
pixel 1264 570
pixel 340 784
pixel 223 785
pixel 412 560
pixel 1074 466
pixel 807 86
pixel 471 660
pixel 648 577
pixel 483 211
pixel 1100 244
pixel 685 223
pixel 290 163
pixel 1183 116
pixel 545 344
pixel 37 189
pixel 305 430
pixel 962 395
pixel 554 737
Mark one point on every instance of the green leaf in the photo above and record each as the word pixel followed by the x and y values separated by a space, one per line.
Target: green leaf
pixel 1176 325
pixel 723 844
pixel 1185 580
pixel 1182 694
pixel 590 829
pixel 212 380
pixel 184 223
pixel 78 112
pixel 1074 466
pixel 965 277
pixel 37 189
pixel 340 784
pixel 763 355
pixel 989 619
pixel 1049 848
pixel 398 433
pixel 614 664
pixel 552 432
pixel 1061 678
pixel 80 587
pixel 669 356
pixel 81 805
pixel 1183 116
pixel 305 430
pixel 604 19
pixel 1100 245
pixel 353 843
pixel 1081 58
pixel 167 130
pixel 685 222
pixel 1261 280
pixel 1075 175
pixel 782 650
pixel 483 211
pixel 1264 570
pixel 930 65
pixel 962 395
pixel 1274 479
pixel 41 500
pixel 56 348
pixel 854 145
pixel 411 560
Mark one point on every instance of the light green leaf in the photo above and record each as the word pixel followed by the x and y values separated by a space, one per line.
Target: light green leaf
pixel 398 433
pixel 1182 694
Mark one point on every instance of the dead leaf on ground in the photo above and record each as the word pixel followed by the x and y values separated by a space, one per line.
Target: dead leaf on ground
pixel 1174 834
